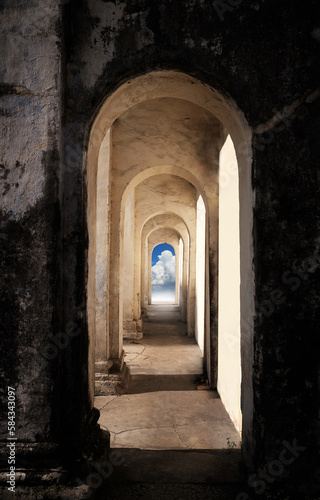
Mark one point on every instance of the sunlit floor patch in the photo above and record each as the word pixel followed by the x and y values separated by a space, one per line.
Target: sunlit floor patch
pixel 163 409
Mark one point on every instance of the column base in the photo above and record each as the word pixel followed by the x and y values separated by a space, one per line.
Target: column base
pixel 113 378
pixel 133 329
pixel 109 384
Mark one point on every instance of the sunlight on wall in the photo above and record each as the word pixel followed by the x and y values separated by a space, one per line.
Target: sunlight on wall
pixel 180 295
pixel 200 271
pixel 229 364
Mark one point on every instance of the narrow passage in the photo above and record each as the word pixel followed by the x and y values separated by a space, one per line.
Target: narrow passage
pixel 163 409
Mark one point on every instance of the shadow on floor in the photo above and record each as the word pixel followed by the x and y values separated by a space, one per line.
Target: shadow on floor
pixel 174 474
pixel 140 384
pixel 149 491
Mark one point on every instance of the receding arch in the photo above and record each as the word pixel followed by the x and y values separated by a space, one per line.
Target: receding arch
pixel 164 219
pixel 151 178
pixel 170 220
pixel 179 86
pixel 163 169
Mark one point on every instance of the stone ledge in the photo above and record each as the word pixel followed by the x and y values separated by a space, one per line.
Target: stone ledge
pixel 133 329
pixel 132 335
pixel 112 383
pixel 50 493
pixel 38 476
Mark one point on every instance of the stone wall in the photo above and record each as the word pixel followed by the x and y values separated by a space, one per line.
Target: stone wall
pixel 30 209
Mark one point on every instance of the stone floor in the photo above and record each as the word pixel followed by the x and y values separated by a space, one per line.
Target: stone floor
pixel 163 409
pixel 173 437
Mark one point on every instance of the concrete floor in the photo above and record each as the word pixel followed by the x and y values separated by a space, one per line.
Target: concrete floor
pixel 163 409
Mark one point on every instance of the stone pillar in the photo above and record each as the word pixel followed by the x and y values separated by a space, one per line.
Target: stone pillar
pixel 149 274
pixel 177 285
pixel 132 322
pixel 184 297
pixel 211 343
pixel 144 277
pixel 98 298
pixel 191 288
pixel 114 379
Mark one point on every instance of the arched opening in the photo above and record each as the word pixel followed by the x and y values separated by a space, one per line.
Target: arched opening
pixel 156 206
pixel 229 309
pixel 200 272
pixel 170 227
pixel 175 152
pixel 163 274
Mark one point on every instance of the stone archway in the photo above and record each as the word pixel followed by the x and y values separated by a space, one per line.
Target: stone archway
pixel 179 86
pixel 156 204
pixel 172 221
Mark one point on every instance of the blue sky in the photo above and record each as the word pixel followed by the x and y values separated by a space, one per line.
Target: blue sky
pixel 158 250
pixel 163 273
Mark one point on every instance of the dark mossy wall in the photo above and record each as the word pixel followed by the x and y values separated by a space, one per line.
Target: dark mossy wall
pixel 30 95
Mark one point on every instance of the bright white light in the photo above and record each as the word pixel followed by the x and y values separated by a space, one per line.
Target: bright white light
pixel 163 297
pixel 200 270
pixel 229 367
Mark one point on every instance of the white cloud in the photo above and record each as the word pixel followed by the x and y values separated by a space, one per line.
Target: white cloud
pixel 164 271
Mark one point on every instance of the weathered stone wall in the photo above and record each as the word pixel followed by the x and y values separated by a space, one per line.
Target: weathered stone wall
pixel 30 212
pixel 44 349
pixel 265 55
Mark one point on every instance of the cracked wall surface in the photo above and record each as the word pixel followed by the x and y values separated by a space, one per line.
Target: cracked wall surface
pixel 30 95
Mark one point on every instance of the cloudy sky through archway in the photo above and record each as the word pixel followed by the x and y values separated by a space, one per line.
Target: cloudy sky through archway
pixel 163 273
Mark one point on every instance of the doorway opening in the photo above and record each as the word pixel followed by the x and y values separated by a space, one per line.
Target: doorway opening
pixel 155 147
pixel 163 275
